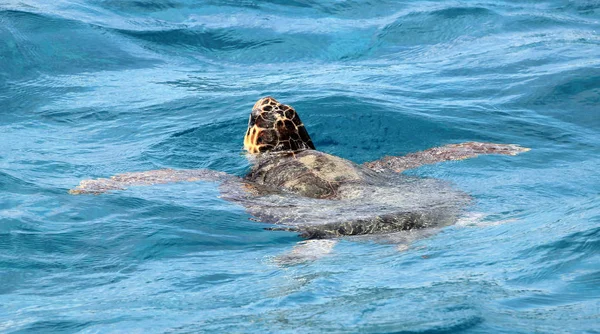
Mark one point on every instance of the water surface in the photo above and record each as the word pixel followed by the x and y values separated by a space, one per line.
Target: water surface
pixel 91 88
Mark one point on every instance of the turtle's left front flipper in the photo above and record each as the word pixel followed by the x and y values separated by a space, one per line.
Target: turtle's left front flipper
pixel 160 176
pixel 444 153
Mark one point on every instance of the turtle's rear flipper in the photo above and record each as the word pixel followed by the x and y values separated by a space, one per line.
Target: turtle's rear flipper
pixel 122 181
pixel 444 153
pixel 306 251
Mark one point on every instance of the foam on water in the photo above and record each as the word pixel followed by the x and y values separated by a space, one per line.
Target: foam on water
pixel 93 88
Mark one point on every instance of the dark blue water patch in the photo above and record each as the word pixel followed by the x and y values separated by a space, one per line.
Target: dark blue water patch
pixel 151 6
pixel 317 9
pixel 202 83
pixel 457 12
pixel 543 22
pixel 351 9
pixel 58 326
pixel 241 45
pixel 84 115
pixel 571 97
pixel 295 3
pixel 145 6
pixel 535 132
pixel 79 118
pixel 340 129
pixel 570 276
pixel 16 185
pixel 26 45
pixel 299 8
pixel 200 40
pixel 204 281
pixel 583 8
pixel 563 255
pixel 216 145
pixel 23 101
pixel 586 281
pixel 219 131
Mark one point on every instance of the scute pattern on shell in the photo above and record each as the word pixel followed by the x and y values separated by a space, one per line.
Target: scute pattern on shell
pixel 275 127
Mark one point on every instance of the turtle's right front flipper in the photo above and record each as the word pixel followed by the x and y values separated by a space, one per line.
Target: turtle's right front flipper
pixel 160 176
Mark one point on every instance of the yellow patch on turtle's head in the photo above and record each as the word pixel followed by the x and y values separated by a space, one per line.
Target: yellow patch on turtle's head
pixel 275 127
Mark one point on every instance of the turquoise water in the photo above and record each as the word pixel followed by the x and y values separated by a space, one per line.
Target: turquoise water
pixel 91 88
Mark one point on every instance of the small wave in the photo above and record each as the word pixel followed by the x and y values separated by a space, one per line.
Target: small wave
pixel 572 88
pixel 199 39
pixel 438 26
pixel 204 146
pixel 144 6
pixel 456 12
pixel 35 43
pixel 584 243
pixel 14 184
pixel 558 256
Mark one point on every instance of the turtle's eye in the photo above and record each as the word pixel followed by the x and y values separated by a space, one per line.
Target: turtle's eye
pixel 259 140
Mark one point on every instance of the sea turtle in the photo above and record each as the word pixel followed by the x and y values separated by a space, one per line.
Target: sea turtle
pixel 319 195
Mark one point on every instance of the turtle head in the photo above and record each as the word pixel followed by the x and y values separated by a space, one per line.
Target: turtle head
pixel 275 127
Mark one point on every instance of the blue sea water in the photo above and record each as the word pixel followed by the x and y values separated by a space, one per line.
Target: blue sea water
pixel 91 88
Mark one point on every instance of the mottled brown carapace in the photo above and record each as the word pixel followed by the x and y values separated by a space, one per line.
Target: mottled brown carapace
pixel 275 127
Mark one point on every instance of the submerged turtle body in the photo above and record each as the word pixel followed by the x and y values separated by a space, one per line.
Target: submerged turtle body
pixel 308 193
pixel 319 195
